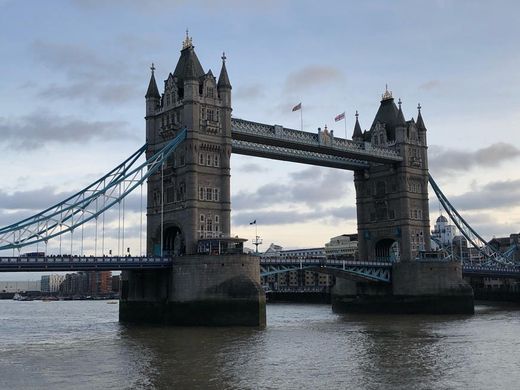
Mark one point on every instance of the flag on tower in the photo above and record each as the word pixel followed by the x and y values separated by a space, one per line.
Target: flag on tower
pixel 297 107
pixel 253 223
pixel 339 117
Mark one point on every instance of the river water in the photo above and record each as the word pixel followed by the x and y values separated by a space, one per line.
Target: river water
pixel 81 345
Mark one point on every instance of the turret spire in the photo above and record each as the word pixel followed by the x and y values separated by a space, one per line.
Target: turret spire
pixel 420 123
pixel 153 91
pixel 223 79
pixel 357 135
pixel 400 117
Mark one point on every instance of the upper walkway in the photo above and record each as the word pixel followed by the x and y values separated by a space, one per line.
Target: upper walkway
pixel 322 148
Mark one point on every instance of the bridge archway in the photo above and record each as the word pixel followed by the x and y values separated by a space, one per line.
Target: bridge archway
pixel 387 249
pixel 173 241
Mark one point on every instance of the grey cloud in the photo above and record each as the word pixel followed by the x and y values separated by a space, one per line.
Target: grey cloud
pixel 312 186
pixel 446 160
pixel 312 76
pixel 494 195
pixel 115 93
pixel 267 217
pixel 250 92
pixel 429 85
pixel 252 168
pixel 89 76
pixel 35 130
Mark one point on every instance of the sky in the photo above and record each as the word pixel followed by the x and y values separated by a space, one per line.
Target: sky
pixel 74 75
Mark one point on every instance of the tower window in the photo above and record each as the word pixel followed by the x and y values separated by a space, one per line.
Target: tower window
pixel 215 194
pixel 201 194
pixel 208 193
pixel 216 161
pixel 211 115
pixel 208 160
pixel 210 92
pixel 201 159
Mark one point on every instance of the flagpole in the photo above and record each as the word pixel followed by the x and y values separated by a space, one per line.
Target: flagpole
pixel 345 120
pixel 301 116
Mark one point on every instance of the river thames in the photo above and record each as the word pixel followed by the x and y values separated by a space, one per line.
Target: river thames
pixel 81 345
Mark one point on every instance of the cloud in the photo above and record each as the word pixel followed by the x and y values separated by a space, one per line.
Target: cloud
pixel 312 76
pixel 311 187
pixel 37 129
pixel 493 195
pixel 252 168
pixel 267 217
pixel 250 92
pixel 88 76
pixel 430 85
pixel 445 160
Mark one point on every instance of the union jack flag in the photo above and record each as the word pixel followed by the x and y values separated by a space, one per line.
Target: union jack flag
pixel 339 117
pixel 297 107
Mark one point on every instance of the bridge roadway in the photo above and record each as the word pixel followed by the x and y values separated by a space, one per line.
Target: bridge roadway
pixel 373 270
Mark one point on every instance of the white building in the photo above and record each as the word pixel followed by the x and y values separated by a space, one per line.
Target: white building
pixel 442 233
pixel 342 246
pixel 51 283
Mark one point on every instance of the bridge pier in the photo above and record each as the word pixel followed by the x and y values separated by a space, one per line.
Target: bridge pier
pixel 431 287
pixel 197 291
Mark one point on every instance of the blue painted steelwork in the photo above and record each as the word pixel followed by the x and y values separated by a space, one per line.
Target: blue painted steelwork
pixel 75 263
pixel 372 271
pixel 490 254
pixel 85 205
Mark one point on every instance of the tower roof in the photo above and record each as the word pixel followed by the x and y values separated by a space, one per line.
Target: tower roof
pixel 153 91
pixel 223 79
pixel 388 114
pixel 188 66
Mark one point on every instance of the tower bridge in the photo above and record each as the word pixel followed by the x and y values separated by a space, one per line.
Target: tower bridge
pixel 193 271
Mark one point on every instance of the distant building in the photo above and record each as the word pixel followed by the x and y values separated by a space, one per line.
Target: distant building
pixel 51 283
pixel 45 283
pixel 75 284
pixel 342 247
pixel 276 251
pixel 19 286
pixel 100 282
pixel 443 233
pixel 509 245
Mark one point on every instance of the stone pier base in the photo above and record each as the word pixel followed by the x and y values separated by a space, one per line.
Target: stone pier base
pixel 416 288
pixel 196 291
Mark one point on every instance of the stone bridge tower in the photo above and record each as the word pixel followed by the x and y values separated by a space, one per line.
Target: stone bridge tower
pixel 394 224
pixel 190 198
pixel 392 200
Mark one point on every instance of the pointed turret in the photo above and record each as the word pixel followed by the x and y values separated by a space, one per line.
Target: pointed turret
pixel 223 79
pixel 400 117
pixel 357 135
pixel 420 123
pixel 153 91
